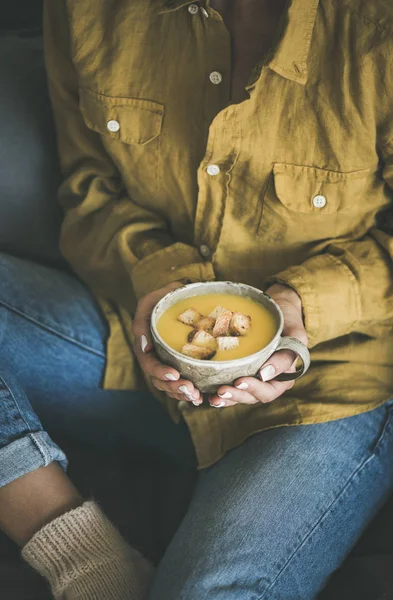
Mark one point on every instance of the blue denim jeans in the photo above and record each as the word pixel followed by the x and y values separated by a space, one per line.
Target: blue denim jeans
pixel 270 521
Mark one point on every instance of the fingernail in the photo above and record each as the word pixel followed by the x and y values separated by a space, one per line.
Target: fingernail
pixel 226 395
pixel 242 386
pixel 171 377
pixel 195 403
pixel 144 342
pixel 218 405
pixel 184 390
pixel 268 373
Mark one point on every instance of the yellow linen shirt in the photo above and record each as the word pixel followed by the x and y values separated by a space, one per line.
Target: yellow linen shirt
pixel 164 179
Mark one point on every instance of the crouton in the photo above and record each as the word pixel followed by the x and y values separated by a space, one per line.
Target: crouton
pixel 206 324
pixel 203 338
pixel 240 324
pixel 190 317
pixel 198 352
pixel 191 335
pixel 221 326
pixel 227 343
pixel 217 312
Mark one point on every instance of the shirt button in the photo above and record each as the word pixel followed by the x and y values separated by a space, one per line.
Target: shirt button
pixel 205 251
pixel 213 170
pixel 113 126
pixel 215 77
pixel 319 201
pixel 193 9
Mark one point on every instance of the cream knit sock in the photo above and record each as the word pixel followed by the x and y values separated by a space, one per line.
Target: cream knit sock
pixel 84 557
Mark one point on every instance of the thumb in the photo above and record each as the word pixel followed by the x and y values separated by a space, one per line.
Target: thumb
pixel 283 361
pixel 141 325
pixel 141 322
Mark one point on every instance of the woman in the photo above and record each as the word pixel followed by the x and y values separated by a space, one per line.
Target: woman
pixel 249 141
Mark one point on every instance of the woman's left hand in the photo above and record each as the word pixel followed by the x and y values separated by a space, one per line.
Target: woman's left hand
pixel 265 388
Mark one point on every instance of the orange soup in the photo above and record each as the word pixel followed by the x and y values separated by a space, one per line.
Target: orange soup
pixel 247 326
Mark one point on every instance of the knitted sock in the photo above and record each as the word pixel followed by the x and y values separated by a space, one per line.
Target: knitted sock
pixel 84 557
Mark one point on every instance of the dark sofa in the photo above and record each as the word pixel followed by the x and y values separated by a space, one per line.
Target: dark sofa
pixel 146 497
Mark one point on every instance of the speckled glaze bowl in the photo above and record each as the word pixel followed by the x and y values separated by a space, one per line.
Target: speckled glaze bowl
pixel 209 375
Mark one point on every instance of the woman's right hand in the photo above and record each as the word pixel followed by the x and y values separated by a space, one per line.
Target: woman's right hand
pixel 164 378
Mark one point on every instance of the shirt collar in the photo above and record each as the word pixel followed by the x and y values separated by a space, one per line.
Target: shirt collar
pixel 290 56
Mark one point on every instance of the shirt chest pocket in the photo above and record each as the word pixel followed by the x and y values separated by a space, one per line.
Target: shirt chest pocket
pixel 130 130
pixel 307 203
pixel 130 120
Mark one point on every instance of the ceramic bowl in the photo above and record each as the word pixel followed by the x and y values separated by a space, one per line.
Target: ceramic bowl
pixel 209 375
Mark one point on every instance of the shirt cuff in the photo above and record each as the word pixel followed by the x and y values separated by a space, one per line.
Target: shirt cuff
pixel 329 293
pixel 173 263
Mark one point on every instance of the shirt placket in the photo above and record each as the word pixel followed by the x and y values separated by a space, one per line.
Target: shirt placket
pixel 214 169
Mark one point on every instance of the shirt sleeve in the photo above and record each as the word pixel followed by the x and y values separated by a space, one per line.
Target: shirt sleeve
pixel 121 249
pixel 348 288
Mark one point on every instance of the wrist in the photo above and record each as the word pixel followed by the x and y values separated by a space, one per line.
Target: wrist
pixel 278 290
pixel 286 297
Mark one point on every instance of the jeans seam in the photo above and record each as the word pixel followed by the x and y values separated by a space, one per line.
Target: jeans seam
pixel 385 428
pixel 16 403
pixel 45 455
pixel 52 330
pixel 360 467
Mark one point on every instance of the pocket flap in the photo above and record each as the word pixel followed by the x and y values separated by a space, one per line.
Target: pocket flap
pixel 130 120
pixel 310 189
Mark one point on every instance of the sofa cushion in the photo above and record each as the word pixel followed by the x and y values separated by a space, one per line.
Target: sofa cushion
pixel 29 172
pixel 21 15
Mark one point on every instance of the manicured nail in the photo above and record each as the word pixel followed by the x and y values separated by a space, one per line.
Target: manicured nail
pixel 242 386
pixel 171 377
pixel 144 342
pixel 184 390
pixel 268 373
pixel 218 405
pixel 196 403
pixel 226 395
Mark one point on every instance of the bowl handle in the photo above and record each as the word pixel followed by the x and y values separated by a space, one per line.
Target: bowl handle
pixel 291 343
